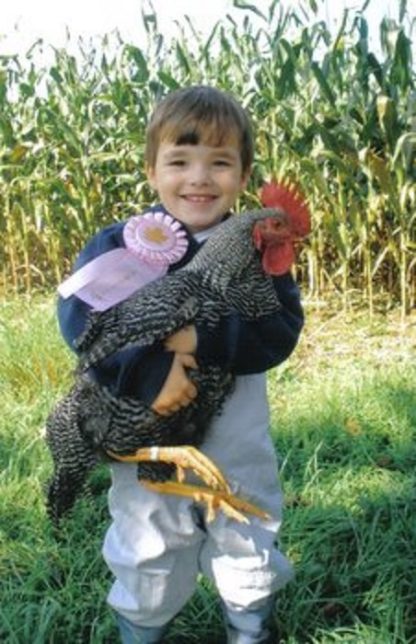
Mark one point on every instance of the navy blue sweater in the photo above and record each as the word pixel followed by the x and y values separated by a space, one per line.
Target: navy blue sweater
pixel 241 346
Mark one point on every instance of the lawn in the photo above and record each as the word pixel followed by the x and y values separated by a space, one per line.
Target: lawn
pixel 344 424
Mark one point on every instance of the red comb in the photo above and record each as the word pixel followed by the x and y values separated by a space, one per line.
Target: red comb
pixel 288 198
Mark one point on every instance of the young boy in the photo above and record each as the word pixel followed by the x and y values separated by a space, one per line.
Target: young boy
pixel 199 153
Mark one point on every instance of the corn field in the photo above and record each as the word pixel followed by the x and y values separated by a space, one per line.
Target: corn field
pixel 329 114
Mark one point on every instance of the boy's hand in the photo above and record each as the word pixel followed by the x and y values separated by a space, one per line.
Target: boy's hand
pixel 183 341
pixel 178 390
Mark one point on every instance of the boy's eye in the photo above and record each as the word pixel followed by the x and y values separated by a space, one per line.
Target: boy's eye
pixel 223 162
pixel 177 162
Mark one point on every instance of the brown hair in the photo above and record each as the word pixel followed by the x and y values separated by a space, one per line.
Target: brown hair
pixel 200 115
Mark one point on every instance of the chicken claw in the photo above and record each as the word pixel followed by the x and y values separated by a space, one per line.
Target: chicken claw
pixel 215 500
pixel 216 497
pixel 184 457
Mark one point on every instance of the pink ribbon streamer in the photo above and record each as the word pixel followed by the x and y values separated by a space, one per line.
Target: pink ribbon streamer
pixel 153 241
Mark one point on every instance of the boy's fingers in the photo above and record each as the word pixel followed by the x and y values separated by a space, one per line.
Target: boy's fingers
pixel 167 407
pixel 167 410
pixel 171 410
pixel 183 341
pixel 178 391
pixel 187 360
pixel 191 391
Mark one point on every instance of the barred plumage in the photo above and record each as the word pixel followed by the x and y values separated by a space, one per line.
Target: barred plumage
pixel 225 276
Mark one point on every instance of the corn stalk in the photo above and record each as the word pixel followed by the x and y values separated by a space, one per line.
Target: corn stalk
pixel 328 113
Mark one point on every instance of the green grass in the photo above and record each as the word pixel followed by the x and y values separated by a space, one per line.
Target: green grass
pixel 344 424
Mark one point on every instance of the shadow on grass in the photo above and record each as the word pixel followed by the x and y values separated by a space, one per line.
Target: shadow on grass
pixel 354 570
pixel 350 523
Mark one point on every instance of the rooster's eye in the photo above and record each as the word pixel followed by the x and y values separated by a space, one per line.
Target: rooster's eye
pixel 273 225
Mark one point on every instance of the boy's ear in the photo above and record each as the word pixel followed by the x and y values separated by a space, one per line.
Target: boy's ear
pixel 150 174
pixel 245 179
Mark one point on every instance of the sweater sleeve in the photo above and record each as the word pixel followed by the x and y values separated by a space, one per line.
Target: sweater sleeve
pixel 138 371
pixel 245 346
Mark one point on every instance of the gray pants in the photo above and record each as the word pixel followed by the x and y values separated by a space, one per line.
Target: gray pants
pixel 157 545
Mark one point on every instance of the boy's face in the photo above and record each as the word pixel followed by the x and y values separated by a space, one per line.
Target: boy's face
pixel 198 183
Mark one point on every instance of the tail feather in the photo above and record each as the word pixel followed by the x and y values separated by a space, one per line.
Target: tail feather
pixel 74 457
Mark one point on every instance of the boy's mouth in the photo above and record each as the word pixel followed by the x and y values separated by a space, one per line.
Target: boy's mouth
pixel 199 198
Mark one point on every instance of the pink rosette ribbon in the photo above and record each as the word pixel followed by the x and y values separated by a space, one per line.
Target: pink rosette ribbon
pixel 156 238
pixel 153 241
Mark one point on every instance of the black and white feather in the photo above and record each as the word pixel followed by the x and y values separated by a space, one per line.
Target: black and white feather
pixel 225 276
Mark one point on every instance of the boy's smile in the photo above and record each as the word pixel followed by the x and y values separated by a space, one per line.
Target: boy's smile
pixel 198 183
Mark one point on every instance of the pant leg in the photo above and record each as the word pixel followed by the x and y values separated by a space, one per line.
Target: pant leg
pixel 151 548
pixel 132 634
pixel 251 626
pixel 244 560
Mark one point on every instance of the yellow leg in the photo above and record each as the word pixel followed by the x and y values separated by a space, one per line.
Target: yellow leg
pixel 184 457
pixel 215 500
pixel 217 496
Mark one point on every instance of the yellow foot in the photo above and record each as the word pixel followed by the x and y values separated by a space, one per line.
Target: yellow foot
pixel 215 500
pixel 184 457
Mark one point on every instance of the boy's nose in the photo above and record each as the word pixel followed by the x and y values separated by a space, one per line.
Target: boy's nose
pixel 199 176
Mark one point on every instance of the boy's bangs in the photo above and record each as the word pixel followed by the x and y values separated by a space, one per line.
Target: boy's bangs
pixel 215 132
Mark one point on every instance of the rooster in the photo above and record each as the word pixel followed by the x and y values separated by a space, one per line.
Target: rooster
pixel 232 272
